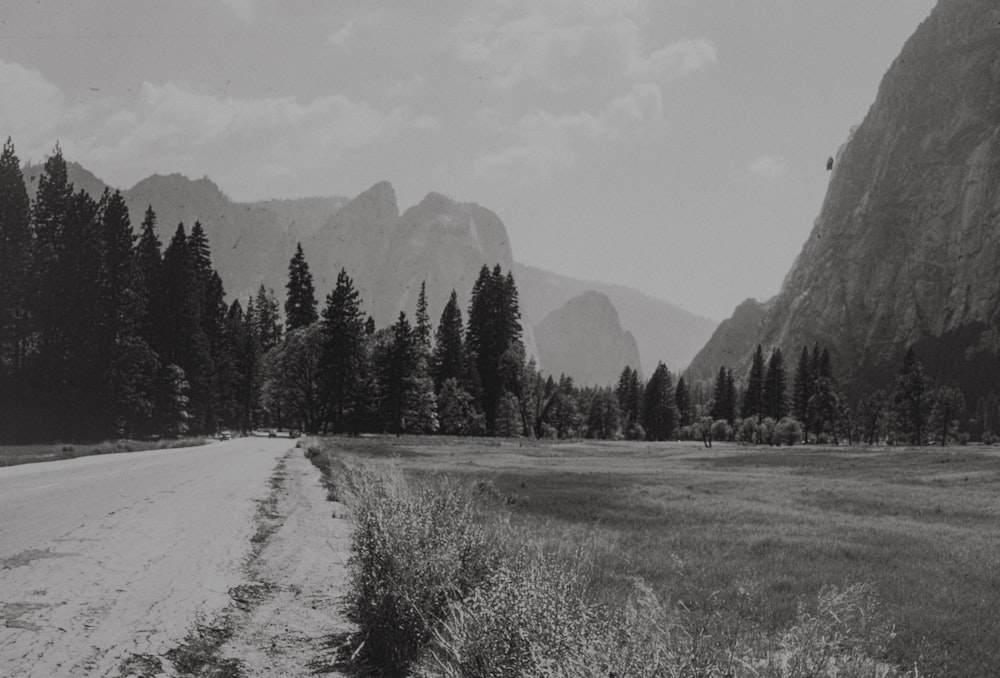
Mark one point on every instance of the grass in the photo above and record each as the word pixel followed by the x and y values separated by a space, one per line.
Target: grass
pixel 752 532
pixel 12 455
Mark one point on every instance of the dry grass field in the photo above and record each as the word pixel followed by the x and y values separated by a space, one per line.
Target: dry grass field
pixel 752 531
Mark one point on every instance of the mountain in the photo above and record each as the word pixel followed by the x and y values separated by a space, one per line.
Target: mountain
pixel 584 338
pixel 251 243
pixel 906 249
pixel 664 332
pixel 733 340
pixel 388 254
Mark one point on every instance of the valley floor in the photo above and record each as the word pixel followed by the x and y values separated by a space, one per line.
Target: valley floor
pixel 755 530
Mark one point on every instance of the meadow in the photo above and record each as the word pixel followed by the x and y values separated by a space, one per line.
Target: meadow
pixel 745 534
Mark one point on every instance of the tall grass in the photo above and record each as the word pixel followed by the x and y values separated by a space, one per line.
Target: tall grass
pixel 442 586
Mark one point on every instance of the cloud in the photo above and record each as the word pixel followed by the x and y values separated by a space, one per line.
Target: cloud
pixel 244 9
pixel 405 88
pixel 562 44
pixel 31 108
pixel 546 144
pixel 242 142
pixel 768 167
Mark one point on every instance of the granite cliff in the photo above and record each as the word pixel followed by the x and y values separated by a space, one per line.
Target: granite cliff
pixel 906 248
pixel 584 339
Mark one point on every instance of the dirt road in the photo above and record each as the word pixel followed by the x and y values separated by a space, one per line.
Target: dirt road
pixel 107 563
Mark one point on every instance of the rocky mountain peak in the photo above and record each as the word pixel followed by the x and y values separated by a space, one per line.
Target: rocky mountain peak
pixel 378 203
pixel 907 243
pixel 585 340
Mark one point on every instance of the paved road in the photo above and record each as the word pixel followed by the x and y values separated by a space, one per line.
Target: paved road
pixel 110 556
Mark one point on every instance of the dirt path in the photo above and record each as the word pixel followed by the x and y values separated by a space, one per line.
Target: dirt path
pixel 296 582
pixel 125 565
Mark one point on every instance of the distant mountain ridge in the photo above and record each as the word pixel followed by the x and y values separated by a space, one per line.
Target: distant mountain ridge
pixel 388 253
pixel 584 338
pixel 906 249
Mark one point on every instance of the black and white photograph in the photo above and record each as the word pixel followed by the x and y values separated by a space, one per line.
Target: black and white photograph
pixel 500 339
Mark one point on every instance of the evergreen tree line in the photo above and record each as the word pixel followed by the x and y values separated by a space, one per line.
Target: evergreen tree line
pixel 106 333
pixel 335 372
pixel 913 411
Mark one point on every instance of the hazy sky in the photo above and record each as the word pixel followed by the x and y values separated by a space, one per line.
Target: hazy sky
pixel 677 146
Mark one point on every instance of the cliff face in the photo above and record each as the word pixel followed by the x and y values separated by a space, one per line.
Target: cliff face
pixel 664 332
pixel 584 339
pixel 907 245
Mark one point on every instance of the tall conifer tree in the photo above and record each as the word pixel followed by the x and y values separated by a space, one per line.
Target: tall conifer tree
pixel 659 409
pixel 753 401
pixel 343 356
pixel 300 304
pixel 775 398
pixel 15 258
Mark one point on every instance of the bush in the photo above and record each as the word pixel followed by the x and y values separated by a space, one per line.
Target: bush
pixel 414 552
pixel 788 432
pixel 721 430
pixel 746 431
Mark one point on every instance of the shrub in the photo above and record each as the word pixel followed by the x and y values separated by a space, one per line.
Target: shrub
pixel 721 430
pixel 414 552
pixel 788 432
pixel 746 431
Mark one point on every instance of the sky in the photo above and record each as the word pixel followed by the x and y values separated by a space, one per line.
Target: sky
pixel 674 146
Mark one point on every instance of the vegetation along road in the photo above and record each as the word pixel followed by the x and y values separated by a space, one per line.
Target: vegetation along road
pixel 160 561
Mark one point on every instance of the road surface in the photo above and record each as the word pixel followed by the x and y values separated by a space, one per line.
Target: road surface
pixel 108 557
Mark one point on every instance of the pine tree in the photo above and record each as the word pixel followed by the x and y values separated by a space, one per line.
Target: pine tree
pixel 775 399
pixel 753 400
pixel 149 262
pixel 268 318
pixel 398 366
pixel 450 360
pixel 731 398
pixel 249 370
pixel 129 364
pixel 494 327
pixel 629 392
pixel 683 399
pixel 48 294
pixel 300 305
pixel 15 259
pixel 343 343
pixel 913 398
pixel 659 410
pixel 423 321
pixel 184 342
pixel 719 396
pixel 802 392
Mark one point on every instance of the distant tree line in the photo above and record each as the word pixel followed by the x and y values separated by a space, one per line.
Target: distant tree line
pixel 914 410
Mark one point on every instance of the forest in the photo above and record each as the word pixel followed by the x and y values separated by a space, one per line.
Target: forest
pixel 105 333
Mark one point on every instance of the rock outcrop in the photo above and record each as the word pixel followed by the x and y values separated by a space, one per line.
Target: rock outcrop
pixel 584 339
pixel 907 245
pixel 664 332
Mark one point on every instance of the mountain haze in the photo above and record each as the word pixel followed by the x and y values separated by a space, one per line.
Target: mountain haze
pixel 906 249
pixel 584 338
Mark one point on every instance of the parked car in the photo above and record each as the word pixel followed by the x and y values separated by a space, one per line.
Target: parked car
pixel 292 433
pixel 272 433
pixel 225 435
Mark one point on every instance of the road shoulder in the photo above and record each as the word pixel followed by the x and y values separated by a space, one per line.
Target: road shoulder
pixel 292 602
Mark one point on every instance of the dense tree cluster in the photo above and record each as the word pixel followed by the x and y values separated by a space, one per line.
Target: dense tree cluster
pixel 913 411
pixel 105 332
